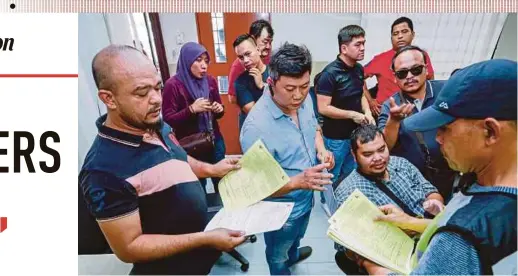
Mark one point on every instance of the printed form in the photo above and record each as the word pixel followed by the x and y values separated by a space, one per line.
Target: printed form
pixel 353 227
pixel 259 177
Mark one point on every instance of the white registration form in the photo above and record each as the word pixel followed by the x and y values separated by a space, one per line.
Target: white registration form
pixel 261 217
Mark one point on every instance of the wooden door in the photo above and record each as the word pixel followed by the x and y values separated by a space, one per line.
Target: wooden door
pixel 218 39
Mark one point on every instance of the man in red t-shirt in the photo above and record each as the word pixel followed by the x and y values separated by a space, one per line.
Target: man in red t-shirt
pixel 262 32
pixel 402 33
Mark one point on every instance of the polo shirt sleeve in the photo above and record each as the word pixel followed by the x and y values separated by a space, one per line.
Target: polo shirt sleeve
pixel 449 254
pixel 311 105
pixel 243 93
pixel 249 134
pixel 384 115
pixel 326 84
pixel 107 196
pixel 429 67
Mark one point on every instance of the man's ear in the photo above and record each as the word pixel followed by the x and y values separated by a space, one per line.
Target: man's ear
pixel 107 97
pixel 343 48
pixel 492 131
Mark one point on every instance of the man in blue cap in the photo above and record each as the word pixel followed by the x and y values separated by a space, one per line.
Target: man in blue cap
pixel 476 233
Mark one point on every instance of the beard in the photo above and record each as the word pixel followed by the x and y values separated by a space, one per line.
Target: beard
pixel 141 124
pixel 379 175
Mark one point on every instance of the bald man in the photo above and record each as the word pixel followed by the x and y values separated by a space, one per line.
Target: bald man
pixel 138 184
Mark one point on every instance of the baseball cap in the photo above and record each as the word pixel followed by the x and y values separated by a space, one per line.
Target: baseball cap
pixel 481 90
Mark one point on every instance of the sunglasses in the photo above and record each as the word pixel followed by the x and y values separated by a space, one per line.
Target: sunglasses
pixel 416 71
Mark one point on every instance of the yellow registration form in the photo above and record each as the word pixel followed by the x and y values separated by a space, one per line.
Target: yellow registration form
pixel 353 227
pixel 259 177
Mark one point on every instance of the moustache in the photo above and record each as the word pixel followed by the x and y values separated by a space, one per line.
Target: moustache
pixel 410 82
pixel 383 162
pixel 156 109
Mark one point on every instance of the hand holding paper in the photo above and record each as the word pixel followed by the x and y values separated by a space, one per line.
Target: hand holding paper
pixel 353 226
pixel 259 177
pixel 225 166
pixel 225 239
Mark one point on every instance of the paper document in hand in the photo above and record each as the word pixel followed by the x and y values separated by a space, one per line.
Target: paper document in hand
pixel 259 177
pixel 353 227
pixel 262 217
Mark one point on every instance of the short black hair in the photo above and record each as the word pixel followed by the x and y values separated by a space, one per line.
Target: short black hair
pixel 290 60
pixel 348 33
pixel 257 27
pixel 400 20
pixel 404 49
pixel 102 64
pixel 364 134
pixel 242 38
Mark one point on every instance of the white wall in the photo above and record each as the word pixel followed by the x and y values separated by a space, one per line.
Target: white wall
pixel 318 32
pixel 452 40
pixel 119 28
pixel 177 29
pixel 96 31
pixel 506 47
pixel 93 36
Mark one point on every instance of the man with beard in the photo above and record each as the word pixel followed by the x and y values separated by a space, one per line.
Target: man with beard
pixel 384 179
pixel 402 34
pixel 138 184
pixel 475 114
pixel 250 84
pixel 416 93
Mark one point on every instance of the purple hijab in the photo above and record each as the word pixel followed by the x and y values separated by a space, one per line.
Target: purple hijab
pixel 197 88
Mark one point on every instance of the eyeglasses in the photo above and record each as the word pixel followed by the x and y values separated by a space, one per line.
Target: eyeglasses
pixel 416 71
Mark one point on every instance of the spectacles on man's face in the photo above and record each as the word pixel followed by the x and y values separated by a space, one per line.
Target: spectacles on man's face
pixel 416 71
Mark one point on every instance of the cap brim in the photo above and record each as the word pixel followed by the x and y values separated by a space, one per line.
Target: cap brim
pixel 428 119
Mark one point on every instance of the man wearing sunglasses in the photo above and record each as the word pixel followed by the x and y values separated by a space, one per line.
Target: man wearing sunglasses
pixel 402 34
pixel 409 67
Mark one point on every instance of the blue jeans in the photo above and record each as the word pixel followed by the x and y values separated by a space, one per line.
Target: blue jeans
pixel 344 160
pixel 282 246
pixel 219 154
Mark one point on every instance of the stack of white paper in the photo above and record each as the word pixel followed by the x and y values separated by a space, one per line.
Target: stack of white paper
pixel 264 216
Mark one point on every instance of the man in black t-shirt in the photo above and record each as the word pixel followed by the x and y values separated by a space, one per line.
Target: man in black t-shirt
pixel 250 84
pixel 340 98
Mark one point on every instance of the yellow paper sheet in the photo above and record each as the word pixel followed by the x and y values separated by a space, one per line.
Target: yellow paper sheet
pixel 259 177
pixel 353 226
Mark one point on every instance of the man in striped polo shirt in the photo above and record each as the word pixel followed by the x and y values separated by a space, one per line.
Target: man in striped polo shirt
pixel 138 184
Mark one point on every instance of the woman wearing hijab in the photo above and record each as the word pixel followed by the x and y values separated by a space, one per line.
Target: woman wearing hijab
pixel 191 101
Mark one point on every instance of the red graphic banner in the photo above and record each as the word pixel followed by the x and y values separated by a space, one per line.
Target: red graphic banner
pixel 3 224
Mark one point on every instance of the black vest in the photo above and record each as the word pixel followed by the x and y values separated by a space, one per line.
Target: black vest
pixel 488 222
